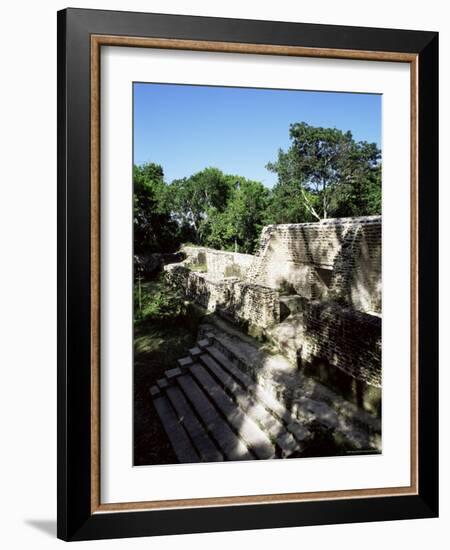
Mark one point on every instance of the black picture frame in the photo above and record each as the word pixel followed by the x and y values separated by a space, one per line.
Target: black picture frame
pixel 76 521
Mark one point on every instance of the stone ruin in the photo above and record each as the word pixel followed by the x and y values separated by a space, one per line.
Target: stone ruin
pixel 313 289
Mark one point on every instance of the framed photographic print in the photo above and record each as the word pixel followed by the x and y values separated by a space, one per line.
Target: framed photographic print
pixel 247 274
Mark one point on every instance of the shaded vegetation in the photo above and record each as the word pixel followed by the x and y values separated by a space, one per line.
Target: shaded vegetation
pixel 156 301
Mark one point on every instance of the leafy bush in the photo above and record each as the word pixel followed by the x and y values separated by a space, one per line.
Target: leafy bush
pixel 157 301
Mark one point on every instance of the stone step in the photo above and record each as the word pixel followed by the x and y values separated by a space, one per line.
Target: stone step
pixel 207 450
pixel 264 397
pixel 184 362
pixel 230 444
pixel 162 383
pixel 237 348
pixel 204 343
pixel 223 360
pixel 172 373
pixel 244 426
pixel 195 352
pixel 181 444
pixel 155 391
pixel 297 429
pixel 270 424
pixel 249 357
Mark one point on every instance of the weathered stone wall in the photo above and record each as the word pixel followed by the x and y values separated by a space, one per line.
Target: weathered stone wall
pixel 338 259
pixel 253 304
pixel 206 292
pixel 242 302
pixel 219 263
pixel 329 276
pixel 343 337
pixel 357 275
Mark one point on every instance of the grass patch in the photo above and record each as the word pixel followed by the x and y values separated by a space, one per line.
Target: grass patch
pixel 161 346
pixel 198 268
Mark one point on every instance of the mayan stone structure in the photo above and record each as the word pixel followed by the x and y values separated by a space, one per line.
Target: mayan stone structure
pixel 235 299
pixel 314 289
pixel 338 259
pixel 219 263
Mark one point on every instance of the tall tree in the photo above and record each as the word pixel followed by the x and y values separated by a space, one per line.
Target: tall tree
pixel 320 162
pixel 287 204
pixel 359 193
pixel 154 230
pixel 238 225
pixel 190 199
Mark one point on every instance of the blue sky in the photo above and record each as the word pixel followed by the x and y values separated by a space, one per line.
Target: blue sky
pixel 187 128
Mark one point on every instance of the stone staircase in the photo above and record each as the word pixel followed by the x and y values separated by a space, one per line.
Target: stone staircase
pixel 213 411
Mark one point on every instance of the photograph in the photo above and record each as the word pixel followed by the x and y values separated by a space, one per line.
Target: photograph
pixel 257 273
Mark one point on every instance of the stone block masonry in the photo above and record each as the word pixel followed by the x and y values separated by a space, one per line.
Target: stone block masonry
pixel 197 287
pixel 328 275
pixel 344 338
pixel 338 259
pixel 239 301
pixel 252 304
pixel 219 263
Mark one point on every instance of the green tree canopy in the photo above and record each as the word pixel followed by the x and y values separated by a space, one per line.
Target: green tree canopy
pixel 325 172
pixel 237 227
pixel 359 193
pixel 154 230
pixel 191 198
pixel 287 204
pixel 326 166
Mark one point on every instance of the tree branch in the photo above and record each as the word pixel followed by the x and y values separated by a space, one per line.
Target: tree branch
pixel 308 205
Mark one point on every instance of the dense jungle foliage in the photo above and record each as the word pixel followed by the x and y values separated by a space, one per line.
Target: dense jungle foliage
pixel 324 173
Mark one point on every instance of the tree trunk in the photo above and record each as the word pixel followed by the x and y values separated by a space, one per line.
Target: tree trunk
pixel 308 205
